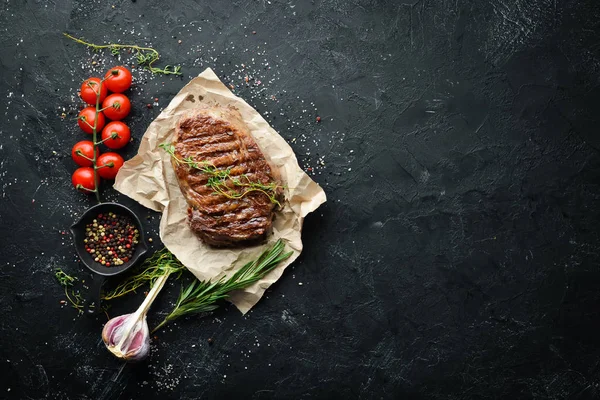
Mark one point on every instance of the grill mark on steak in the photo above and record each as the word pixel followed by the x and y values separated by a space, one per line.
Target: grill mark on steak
pixel 218 136
pixel 209 150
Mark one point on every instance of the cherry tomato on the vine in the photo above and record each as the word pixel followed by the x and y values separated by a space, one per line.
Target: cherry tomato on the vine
pixel 113 163
pixel 118 79
pixel 89 89
pixel 116 106
pixel 87 119
pixel 121 134
pixel 83 176
pixel 82 152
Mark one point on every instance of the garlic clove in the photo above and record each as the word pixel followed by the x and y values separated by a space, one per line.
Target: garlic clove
pixel 140 344
pixel 111 329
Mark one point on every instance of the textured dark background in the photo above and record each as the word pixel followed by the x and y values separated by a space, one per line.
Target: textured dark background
pixel 456 257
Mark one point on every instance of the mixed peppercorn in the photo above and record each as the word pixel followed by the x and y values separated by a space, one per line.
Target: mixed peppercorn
pixel 111 239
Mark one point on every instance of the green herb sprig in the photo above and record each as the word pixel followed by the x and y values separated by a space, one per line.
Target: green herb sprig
pixel 67 281
pixel 202 296
pixel 146 56
pixel 162 262
pixel 218 179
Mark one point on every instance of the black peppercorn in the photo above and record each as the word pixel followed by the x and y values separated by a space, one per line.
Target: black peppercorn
pixel 111 239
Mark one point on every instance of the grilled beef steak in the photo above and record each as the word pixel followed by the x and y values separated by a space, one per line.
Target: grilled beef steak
pixel 222 210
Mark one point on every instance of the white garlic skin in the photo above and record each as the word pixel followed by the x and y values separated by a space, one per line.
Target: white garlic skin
pixel 136 346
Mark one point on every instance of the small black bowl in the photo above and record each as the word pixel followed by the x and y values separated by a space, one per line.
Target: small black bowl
pixel 78 231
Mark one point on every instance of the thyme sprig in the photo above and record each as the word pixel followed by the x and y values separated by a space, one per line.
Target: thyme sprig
pixel 67 281
pixel 162 262
pixel 203 296
pixel 146 56
pixel 218 179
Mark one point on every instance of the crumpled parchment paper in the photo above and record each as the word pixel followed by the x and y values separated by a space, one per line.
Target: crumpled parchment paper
pixel 149 179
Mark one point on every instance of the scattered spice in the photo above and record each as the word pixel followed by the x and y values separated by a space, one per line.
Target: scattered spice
pixel 318 119
pixel 111 239
pixel 149 105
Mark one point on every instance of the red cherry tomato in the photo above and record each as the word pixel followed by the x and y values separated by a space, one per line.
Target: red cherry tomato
pixel 81 150
pixel 113 163
pixel 118 79
pixel 87 119
pixel 89 89
pixel 116 106
pixel 121 133
pixel 83 176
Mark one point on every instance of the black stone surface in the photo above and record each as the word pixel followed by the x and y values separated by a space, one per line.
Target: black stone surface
pixel 456 257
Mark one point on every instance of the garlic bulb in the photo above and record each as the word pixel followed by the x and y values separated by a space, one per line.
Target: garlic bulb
pixel 127 336
pixel 131 343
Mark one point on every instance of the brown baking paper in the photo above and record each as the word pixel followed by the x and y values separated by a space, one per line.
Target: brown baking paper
pixel 149 179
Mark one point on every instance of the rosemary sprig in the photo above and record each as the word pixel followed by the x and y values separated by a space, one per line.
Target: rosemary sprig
pixel 146 56
pixel 202 296
pixel 218 179
pixel 162 262
pixel 67 281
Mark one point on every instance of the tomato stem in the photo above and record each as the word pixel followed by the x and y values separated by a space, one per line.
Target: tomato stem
pixel 91 86
pixel 88 124
pixel 109 165
pixel 113 135
pixel 94 137
pixel 80 154
pixel 81 187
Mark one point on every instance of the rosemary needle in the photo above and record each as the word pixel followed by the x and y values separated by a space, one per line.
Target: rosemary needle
pixel 202 296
